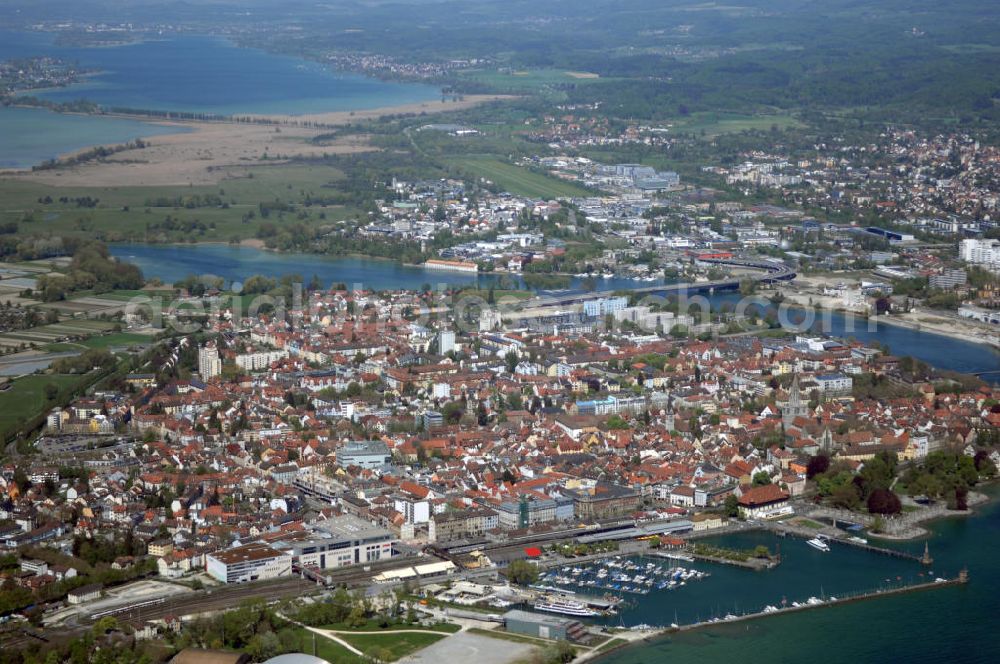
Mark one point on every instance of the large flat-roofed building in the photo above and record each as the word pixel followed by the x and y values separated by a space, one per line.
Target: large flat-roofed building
pixel 252 562
pixel 343 540
pixel 369 454
pixel 542 626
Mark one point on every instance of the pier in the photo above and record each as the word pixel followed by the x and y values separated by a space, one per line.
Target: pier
pixel 961 579
pixel 786 530
pixel 751 563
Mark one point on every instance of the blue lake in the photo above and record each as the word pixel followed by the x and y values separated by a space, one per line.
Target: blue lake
pixel 954 624
pixel 29 136
pixel 170 263
pixel 209 75
pixel 185 73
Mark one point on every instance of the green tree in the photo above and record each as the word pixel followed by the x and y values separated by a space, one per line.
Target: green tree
pixel 522 572
pixel 104 625
pixel 732 506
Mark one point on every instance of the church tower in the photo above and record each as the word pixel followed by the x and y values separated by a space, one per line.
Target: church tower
pixel 795 406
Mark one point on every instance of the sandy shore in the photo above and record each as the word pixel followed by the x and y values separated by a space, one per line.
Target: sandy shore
pixel 337 118
pixel 807 294
pixel 209 152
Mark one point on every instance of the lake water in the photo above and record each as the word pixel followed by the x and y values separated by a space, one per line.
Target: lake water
pixel 210 75
pixel 934 349
pixel 184 73
pixel 29 136
pixel 955 624
pixel 171 263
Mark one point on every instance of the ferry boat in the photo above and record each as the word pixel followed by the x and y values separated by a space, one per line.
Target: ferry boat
pixel 819 544
pixel 676 556
pixel 565 608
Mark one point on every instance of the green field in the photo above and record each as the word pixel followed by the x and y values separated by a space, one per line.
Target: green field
pixel 326 649
pixel 126 295
pixel 122 213
pixel 518 180
pixel 26 399
pixel 498 294
pixel 713 124
pixel 372 625
pixel 533 80
pixel 389 646
pixel 46 334
pixel 611 644
pixel 116 339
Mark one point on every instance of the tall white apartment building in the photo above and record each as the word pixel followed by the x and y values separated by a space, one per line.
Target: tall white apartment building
pixel 209 363
pixel 980 252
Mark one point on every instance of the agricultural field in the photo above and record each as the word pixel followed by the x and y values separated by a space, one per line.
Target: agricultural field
pixel 531 80
pixel 116 340
pixel 56 332
pixel 230 211
pixel 27 397
pixel 714 124
pixel 518 180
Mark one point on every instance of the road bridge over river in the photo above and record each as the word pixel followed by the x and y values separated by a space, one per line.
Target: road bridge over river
pixel 767 272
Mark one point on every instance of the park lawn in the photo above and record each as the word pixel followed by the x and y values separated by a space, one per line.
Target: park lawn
pixel 372 625
pixel 518 180
pixel 26 399
pixel 122 213
pixel 611 644
pixel 326 649
pixel 392 645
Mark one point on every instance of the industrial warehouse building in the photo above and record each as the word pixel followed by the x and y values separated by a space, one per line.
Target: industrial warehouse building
pixel 542 626
pixel 368 454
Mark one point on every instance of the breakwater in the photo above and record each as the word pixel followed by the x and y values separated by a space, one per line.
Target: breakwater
pixel 961 579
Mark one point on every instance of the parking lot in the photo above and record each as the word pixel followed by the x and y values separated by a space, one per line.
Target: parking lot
pixel 467 647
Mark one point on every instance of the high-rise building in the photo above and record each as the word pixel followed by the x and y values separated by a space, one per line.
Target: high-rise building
pixel 980 252
pixel 604 305
pixel 209 363
pixel 446 342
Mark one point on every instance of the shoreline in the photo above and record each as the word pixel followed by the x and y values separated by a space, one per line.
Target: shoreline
pixel 947 328
pixel 976 500
pixel 632 639
pixel 207 151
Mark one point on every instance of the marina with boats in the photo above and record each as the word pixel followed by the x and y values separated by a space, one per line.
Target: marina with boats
pixel 618 575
